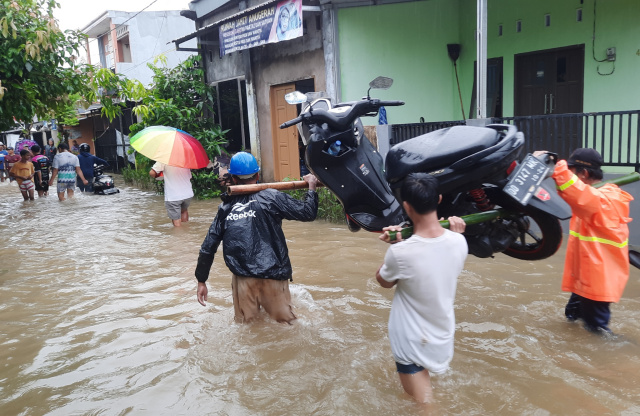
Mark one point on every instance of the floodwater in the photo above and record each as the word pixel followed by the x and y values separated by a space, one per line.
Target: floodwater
pixel 98 316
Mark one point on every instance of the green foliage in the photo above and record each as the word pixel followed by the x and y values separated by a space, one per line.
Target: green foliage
pixel 178 98
pixel 140 179
pixel 38 69
pixel 113 91
pixel 68 115
pixel 213 141
pixel 205 185
pixel 329 207
pixel 138 176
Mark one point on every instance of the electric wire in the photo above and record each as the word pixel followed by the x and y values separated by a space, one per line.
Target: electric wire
pixel 593 45
pixel 593 37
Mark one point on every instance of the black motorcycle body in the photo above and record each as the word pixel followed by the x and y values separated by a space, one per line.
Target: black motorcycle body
pixel 103 183
pixel 472 164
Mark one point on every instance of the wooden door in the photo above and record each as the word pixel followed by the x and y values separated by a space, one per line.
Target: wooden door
pixel 550 83
pixel 568 86
pixel 285 141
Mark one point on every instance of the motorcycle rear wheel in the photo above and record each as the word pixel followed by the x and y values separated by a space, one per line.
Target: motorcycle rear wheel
pixel 534 245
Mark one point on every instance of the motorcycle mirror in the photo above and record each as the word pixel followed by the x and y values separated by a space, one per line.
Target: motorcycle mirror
pixel 295 97
pixel 381 83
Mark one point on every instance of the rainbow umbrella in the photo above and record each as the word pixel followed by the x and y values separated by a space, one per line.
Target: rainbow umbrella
pixel 170 146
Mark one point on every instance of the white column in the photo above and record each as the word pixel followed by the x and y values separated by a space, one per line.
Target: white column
pixel 481 48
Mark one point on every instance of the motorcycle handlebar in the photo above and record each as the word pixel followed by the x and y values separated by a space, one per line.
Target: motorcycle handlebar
pixel 290 122
pixel 342 121
pixel 391 103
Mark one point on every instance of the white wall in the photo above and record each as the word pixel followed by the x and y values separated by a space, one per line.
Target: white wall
pixel 150 35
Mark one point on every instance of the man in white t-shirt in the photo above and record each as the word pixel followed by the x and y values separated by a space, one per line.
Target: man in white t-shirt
pixel 424 269
pixel 177 191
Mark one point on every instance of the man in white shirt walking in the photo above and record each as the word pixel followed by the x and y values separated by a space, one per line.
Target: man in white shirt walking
pixel 178 191
pixel 424 269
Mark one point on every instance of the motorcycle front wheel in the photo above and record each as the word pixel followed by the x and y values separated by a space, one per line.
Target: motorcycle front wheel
pixel 539 241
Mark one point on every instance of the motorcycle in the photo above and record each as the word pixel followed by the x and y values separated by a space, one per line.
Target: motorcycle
pixel 103 183
pixel 478 169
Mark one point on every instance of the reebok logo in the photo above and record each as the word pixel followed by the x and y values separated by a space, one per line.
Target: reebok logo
pixel 240 211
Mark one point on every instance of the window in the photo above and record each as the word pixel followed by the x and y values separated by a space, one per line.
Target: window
pixel 494 89
pixel 579 15
pixel 518 26
pixel 547 20
pixel 231 104
pixel 499 30
pixel 124 50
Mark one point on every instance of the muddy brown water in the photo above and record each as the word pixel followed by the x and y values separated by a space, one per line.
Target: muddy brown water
pixel 98 316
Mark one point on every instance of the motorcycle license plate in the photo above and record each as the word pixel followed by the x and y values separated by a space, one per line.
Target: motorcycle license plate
pixel 525 180
pixel 111 191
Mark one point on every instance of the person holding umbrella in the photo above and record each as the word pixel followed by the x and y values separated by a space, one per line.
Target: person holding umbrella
pixel 178 191
pixel 175 152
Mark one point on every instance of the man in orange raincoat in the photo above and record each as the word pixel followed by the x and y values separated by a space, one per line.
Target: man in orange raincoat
pixel 597 263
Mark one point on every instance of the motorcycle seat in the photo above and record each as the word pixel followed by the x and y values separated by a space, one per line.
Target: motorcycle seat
pixel 436 150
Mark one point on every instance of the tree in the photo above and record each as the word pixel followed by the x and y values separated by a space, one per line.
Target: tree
pixel 38 68
pixel 178 98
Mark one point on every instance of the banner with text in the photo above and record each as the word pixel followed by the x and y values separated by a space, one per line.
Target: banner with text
pixel 269 24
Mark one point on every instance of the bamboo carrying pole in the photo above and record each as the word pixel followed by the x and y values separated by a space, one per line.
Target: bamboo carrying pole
pixel 256 187
pixel 472 219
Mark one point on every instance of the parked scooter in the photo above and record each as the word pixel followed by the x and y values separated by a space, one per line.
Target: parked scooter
pixel 478 169
pixel 103 183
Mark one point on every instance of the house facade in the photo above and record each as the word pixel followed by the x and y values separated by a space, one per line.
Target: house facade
pixel 251 81
pixel 556 49
pixel 544 58
pixel 127 41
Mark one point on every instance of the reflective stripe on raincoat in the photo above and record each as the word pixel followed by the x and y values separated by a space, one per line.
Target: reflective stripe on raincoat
pixel 597 262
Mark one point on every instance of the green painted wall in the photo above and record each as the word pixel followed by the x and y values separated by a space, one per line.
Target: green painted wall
pixel 617 26
pixel 408 42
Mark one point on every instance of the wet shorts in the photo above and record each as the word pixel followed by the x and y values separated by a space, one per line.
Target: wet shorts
pixel 63 186
pixel 249 293
pixel 408 368
pixel 27 186
pixel 176 208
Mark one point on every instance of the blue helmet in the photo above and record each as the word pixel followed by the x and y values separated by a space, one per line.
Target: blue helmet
pixel 243 164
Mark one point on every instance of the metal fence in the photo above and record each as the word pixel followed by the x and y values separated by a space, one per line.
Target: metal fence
pixel 402 132
pixel 615 134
